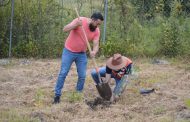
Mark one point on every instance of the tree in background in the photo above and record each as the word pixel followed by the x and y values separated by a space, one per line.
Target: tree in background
pixel 134 26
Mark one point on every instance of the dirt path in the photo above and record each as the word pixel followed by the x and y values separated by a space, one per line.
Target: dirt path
pixel 26 92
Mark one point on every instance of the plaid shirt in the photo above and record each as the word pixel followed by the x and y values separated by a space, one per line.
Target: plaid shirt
pixel 121 72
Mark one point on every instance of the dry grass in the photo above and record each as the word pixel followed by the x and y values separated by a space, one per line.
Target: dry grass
pixel 27 89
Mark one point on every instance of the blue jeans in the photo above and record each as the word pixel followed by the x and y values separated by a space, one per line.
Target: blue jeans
pixel 119 82
pixel 68 58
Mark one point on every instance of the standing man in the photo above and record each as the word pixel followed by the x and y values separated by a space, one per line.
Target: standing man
pixel 75 50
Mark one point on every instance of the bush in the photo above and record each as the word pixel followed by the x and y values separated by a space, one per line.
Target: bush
pixel 170 42
pixel 50 49
pixel 26 49
pixel 123 47
pixel 4 48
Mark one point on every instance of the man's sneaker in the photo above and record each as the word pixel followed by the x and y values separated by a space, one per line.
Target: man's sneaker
pixel 56 99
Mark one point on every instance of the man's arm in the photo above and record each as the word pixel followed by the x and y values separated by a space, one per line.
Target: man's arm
pixel 95 48
pixel 73 25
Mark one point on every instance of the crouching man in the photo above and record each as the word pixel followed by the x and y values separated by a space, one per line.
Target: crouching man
pixel 117 67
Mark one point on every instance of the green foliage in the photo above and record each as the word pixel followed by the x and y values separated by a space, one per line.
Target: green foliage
pixel 145 9
pixel 51 49
pixel 3 48
pixel 170 41
pixel 134 27
pixel 116 46
pixel 166 119
pixel 39 98
pixel 74 96
pixel 185 35
pixel 159 110
pixel 33 22
pixel 129 45
pixel 109 48
pixel 135 32
pixel 13 116
pixel 176 8
pixel 151 33
pixel 187 103
pixel 26 49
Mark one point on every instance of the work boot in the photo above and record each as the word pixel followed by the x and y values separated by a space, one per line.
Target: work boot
pixel 56 100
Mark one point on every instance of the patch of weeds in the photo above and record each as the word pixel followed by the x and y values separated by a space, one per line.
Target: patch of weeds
pixel 187 103
pixel 145 84
pixel 89 79
pixel 74 96
pixel 165 119
pixel 184 65
pixel 182 120
pixel 39 97
pixel 159 110
pixel 134 73
pixel 153 80
pixel 175 61
pixel 14 116
pixel 136 69
pixel 38 116
pixel 159 78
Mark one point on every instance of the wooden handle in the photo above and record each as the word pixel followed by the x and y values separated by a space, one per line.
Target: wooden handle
pixel 89 48
pixel 86 40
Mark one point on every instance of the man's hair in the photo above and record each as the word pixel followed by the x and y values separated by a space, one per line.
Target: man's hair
pixel 97 15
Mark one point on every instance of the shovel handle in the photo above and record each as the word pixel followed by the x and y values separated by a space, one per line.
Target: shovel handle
pixel 86 39
pixel 89 48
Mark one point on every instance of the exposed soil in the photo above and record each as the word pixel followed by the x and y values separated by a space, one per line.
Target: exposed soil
pixel 27 91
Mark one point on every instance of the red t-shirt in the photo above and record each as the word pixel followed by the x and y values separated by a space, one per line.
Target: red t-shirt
pixel 75 42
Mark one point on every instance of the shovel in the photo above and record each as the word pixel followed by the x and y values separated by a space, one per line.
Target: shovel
pixel 103 88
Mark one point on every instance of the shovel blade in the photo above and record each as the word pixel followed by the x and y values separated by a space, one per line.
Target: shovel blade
pixel 104 90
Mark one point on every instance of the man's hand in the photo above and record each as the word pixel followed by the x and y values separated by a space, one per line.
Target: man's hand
pixel 92 54
pixel 79 23
pixel 104 80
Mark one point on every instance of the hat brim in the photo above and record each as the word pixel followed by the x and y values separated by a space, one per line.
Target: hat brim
pixel 116 67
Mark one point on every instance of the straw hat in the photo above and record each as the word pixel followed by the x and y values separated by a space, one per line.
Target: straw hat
pixel 116 62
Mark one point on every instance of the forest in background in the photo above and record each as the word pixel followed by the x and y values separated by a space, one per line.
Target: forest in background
pixel 134 27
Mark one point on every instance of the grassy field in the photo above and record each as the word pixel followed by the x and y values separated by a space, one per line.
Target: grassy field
pixel 27 90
